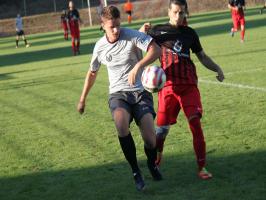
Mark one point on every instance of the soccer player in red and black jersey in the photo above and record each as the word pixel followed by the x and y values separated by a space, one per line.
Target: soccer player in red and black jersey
pixel 237 11
pixel 180 90
pixel 64 24
pixel 73 22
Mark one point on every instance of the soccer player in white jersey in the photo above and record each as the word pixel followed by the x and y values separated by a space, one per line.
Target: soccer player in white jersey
pixel 20 32
pixel 120 50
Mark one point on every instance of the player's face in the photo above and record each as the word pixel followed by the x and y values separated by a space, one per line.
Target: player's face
pixel 71 5
pixel 176 14
pixel 111 28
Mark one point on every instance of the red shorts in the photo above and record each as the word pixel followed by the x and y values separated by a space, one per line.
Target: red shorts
pixel 75 33
pixel 238 19
pixel 172 98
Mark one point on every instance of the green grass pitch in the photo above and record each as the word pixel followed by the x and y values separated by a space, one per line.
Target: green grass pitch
pixel 49 151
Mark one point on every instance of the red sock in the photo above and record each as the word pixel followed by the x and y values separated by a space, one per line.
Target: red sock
pixel 242 34
pixel 73 46
pixel 198 141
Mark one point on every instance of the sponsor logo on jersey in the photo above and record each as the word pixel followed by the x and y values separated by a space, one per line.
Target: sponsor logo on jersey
pixel 177 46
pixel 109 58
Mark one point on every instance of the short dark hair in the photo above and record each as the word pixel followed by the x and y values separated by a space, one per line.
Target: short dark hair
pixel 177 2
pixel 110 12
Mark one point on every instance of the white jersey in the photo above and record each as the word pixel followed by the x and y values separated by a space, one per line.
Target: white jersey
pixel 19 25
pixel 120 57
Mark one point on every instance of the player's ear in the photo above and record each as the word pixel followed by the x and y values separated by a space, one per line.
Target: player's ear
pixel 102 26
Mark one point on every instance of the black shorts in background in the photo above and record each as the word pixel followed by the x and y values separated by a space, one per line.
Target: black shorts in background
pixel 20 33
pixel 129 12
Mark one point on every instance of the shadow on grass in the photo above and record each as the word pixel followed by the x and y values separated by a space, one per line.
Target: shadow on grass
pixel 235 177
pixel 11 75
pixel 42 55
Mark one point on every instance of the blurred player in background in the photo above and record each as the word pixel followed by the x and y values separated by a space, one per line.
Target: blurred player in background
pixel 20 32
pixel 128 8
pixel 237 11
pixel 120 50
pixel 73 22
pixel 64 24
pixel 180 90
pixel 185 22
pixel 261 10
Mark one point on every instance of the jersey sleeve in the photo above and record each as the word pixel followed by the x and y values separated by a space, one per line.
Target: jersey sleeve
pixel 160 33
pixel 196 45
pixel 95 63
pixel 141 40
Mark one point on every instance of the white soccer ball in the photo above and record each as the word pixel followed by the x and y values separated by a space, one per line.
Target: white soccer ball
pixel 153 78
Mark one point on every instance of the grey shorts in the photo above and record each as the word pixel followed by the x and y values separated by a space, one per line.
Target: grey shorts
pixel 137 103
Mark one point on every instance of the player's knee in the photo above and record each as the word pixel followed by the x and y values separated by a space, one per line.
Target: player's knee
pixel 122 131
pixel 162 131
pixel 150 144
pixel 194 121
pixel 194 116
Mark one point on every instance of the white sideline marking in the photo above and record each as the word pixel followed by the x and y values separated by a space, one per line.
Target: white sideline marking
pixel 238 72
pixel 234 85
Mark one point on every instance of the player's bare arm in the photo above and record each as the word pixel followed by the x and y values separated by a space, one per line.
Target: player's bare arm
pixel 89 81
pixel 207 62
pixel 154 52
pixel 232 7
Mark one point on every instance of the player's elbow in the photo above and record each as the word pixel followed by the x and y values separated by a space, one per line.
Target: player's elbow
pixel 92 73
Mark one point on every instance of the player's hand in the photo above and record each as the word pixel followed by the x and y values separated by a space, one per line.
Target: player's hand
pixel 145 28
pixel 220 75
pixel 132 76
pixel 81 107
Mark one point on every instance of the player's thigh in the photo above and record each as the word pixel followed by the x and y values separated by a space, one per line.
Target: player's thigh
pixel 168 107
pixel 236 24
pixel 121 113
pixel 191 102
pixel 242 22
pixel 142 104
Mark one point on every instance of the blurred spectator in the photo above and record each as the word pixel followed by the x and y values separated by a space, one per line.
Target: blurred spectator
pixel 20 32
pixel 73 22
pixel 128 8
pixel 64 24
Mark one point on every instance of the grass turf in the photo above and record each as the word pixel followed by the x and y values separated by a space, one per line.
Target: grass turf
pixel 49 151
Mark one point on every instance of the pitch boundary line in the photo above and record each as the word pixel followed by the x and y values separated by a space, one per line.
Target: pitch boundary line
pixel 233 85
pixel 238 72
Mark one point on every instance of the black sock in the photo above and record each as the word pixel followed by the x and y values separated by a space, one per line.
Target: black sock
pixel 151 155
pixel 16 42
pixel 128 146
pixel 25 42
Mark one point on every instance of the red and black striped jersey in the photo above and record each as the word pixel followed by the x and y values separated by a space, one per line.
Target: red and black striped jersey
pixel 176 43
pixel 64 17
pixel 73 18
pixel 239 4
